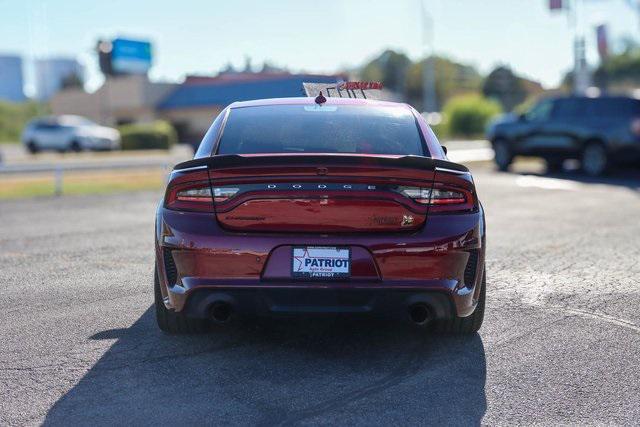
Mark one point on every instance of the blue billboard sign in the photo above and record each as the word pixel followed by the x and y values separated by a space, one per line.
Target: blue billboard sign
pixel 130 56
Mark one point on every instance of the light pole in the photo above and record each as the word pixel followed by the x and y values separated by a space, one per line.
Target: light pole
pixel 429 100
pixel 581 76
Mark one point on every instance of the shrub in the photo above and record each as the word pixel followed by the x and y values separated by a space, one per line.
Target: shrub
pixel 148 136
pixel 468 115
pixel 14 117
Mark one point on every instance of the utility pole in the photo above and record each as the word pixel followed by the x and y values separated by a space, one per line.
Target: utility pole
pixel 429 100
pixel 581 75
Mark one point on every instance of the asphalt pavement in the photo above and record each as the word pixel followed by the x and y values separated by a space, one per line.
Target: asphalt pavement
pixel 560 343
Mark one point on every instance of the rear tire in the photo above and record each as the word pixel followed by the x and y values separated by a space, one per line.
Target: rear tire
pixel 75 146
pixel 503 155
pixel 32 147
pixel 171 322
pixel 595 159
pixel 465 325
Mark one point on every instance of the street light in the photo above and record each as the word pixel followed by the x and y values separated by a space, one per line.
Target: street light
pixel 581 76
pixel 429 100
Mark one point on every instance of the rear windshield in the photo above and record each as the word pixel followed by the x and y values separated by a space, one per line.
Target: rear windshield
pixel 325 129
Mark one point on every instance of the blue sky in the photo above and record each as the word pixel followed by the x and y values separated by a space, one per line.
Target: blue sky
pixel 197 36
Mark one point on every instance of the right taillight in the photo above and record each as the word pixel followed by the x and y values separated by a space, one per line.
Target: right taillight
pixel 441 198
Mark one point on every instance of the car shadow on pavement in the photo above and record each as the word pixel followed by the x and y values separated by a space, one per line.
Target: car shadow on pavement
pixel 335 370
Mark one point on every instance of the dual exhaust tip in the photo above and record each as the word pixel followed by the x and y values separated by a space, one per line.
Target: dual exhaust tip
pixel 221 312
pixel 420 314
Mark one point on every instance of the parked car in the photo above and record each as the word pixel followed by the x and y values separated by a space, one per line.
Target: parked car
pixel 68 133
pixel 600 132
pixel 335 206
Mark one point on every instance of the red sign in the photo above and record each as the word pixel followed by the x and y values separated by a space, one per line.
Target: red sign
pixel 555 5
pixel 360 85
pixel 603 42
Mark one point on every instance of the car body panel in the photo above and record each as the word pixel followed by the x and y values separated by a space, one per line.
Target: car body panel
pixel 207 256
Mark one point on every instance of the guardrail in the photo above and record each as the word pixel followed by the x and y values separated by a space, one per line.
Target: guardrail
pixel 59 169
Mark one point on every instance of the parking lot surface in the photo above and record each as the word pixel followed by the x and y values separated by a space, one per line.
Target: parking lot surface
pixel 79 344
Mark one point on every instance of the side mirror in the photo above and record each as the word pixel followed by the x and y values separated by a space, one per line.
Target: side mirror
pixel 444 149
pixel 522 117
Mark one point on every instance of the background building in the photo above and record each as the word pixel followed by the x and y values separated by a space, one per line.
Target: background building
pixel 193 105
pixel 190 107
pixel 51 74
pixel 11 80
pixel 120 100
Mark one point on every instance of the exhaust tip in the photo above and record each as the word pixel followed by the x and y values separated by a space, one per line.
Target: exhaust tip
pixel 420 314
pixel 221 312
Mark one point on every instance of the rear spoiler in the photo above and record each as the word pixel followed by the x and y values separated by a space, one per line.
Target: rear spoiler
pixel 237 160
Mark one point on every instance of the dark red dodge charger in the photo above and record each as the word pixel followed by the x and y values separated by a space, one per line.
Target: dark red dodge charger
pixel 326 205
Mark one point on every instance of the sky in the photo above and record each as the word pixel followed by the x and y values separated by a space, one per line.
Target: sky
pixel 202 36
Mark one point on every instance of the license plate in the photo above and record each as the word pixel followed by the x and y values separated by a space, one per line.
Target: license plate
pixel 321 262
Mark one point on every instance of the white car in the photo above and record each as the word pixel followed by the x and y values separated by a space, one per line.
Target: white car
pixel 68 133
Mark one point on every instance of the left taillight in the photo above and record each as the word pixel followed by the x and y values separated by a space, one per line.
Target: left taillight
pixel 188 193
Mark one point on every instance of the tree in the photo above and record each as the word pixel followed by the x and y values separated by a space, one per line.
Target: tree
pixel 619 71
pixel 452 79
pixel 72 80
pixel 504 86
pixel 390 68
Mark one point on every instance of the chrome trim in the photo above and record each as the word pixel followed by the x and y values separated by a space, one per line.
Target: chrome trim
pixel 452 171
pixel 191 168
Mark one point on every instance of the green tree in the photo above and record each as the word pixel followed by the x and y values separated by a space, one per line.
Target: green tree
pixel 390 68
pixel 620 70
pixel 452 79
pixel 504 86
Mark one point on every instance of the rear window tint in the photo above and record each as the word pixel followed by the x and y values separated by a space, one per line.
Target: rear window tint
pixel 325 129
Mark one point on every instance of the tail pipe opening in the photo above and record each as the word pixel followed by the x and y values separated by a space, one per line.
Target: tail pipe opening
pixel 221 312
pixel 420 314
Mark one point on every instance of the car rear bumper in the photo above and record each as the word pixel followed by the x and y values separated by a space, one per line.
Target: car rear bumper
pixel 268 301
pixel 200 264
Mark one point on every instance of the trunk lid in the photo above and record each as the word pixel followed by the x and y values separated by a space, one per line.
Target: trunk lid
pixel 319 193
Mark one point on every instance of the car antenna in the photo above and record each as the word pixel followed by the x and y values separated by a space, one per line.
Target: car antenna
pixel 320 99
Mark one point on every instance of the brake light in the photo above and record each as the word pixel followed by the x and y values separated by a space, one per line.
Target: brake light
pixel 222 194
pixel 189 196
pixel 447 197
pixel 440 198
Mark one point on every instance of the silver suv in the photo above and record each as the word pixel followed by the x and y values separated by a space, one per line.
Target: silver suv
pixel 68 133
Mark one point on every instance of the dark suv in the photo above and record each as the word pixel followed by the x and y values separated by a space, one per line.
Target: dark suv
pixel 597 131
